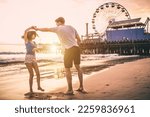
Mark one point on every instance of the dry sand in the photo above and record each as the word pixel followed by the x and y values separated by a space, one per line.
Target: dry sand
pixel 124 81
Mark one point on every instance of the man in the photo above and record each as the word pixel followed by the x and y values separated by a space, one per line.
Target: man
pixel 70 40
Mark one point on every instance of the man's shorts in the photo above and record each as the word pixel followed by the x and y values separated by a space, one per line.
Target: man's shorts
pixel 72 55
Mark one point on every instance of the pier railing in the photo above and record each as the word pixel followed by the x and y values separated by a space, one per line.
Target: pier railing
pixel 126 47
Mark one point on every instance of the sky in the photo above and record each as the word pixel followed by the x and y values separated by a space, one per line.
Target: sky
pixel 17 15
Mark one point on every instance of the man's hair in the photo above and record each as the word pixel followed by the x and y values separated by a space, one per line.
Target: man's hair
pixel 60 19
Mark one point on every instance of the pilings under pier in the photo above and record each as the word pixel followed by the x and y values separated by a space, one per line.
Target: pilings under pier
pixel 136 47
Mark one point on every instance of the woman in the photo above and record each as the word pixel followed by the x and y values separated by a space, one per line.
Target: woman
pixel 30 58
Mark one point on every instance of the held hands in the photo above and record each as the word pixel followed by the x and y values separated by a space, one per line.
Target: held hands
pixel 26 31
pixel 32 27
pixel 35 28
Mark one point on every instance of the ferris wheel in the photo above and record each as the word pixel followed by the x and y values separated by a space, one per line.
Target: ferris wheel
pixel 106 14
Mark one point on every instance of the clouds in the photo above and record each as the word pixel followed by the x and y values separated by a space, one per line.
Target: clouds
pixel 3 1
pixel 136 8
pixel 139 8
pixel 142 3
pixel 80 1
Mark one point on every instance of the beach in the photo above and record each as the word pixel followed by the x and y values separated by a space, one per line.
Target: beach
pixel 122 78
pixel 128 81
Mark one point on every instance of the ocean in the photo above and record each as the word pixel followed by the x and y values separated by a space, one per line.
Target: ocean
pixel 15 53
pixel 12 60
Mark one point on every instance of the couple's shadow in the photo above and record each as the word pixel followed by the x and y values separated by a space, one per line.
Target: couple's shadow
pixel 49 96
pixel 44 96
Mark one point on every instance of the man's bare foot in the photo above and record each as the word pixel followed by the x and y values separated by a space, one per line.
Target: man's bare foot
pixel 39 88
pixel 69 93
pixel 81 90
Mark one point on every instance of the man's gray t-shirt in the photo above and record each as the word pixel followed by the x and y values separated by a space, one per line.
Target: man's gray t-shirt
pixel 67 35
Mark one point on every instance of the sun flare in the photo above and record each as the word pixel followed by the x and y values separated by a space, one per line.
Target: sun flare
pixel 47 38
pixel 54 49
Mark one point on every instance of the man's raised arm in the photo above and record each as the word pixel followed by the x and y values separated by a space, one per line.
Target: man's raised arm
pixel 43 29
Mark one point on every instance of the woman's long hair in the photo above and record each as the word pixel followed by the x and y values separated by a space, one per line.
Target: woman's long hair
pixel 30 35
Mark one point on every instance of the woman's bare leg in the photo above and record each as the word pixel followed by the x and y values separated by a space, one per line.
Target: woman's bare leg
pixel 31 74
pixel 36 69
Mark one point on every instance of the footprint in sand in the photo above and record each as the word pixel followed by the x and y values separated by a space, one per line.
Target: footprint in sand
pixel 107 85
pixel 148 87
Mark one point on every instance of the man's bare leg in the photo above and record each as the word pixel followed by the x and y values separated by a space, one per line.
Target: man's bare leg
pixel 69 81
pixel 80 76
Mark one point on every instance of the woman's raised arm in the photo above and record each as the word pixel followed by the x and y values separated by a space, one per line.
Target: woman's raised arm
pixel 25 33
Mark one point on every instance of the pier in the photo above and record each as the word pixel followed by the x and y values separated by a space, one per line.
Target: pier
pixel 123 37
pixel 135 47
